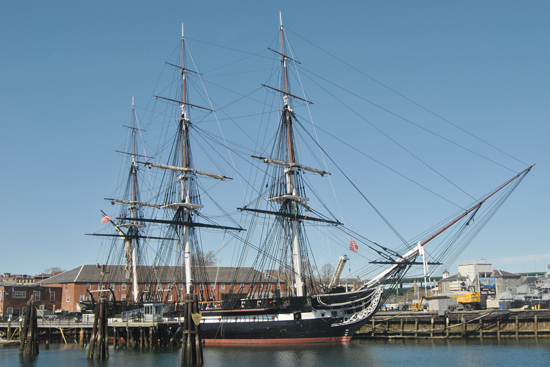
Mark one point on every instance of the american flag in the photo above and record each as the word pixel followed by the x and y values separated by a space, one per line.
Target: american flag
pixel 105 219
pixel 353 246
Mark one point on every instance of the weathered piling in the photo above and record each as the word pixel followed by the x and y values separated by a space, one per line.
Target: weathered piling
pixel 80 338
pixel 99 342
pixel 28 337
pixel 191 343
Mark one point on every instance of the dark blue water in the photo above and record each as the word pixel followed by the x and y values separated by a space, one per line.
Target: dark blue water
pixel 410 353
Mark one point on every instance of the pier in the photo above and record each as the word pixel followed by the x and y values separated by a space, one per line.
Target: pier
pixel 384 325
pixel 460 324
pixel 131 334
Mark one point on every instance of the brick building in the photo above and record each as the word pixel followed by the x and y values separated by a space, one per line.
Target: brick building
pixel 163 283
pixel 19 279
pixel 14 298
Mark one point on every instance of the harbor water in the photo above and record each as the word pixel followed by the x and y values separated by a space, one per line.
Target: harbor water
pixel 372 353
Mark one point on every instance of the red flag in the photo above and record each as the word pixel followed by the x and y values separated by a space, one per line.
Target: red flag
pixel 105 219
pixel 353 246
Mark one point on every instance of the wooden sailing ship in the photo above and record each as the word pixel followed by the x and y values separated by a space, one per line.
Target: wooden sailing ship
pixel 287 304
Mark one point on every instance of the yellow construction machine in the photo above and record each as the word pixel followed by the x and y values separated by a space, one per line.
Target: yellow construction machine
pixel 469 301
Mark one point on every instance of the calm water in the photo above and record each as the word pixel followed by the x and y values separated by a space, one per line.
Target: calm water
pixel 410 353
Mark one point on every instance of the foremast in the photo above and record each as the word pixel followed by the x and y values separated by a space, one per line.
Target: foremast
pixel 290 195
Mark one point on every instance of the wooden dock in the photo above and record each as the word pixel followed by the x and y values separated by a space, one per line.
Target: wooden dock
pixel 460 324
pixel 385 324
pixel 131 334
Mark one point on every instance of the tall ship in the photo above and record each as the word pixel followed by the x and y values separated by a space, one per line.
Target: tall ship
pixel 279 297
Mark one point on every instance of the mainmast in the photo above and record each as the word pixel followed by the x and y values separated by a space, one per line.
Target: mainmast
pixel 291 172
pixel 188 202
pixel 133 229
pixel 186 175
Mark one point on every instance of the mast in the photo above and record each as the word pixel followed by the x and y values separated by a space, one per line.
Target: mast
pixel 131 237
pixel 287 189
pixel 134 207
pixel 186 202
pixel 291 172
pixel 185 176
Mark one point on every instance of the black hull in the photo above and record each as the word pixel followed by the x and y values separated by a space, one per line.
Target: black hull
pixel 298 323
pixel 273 332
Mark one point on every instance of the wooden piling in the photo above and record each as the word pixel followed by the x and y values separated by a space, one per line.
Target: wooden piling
pixel 517 327
pixel 116 337
pixel 28 337
pixel 131 339
pixel 191 343
pixel 481 329
pixel 99 342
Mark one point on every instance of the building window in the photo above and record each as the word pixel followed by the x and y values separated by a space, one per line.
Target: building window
pixel 9 310
pixel 123 297
pixel 81 298
pixel 88 286
pixel 52 296
pixel 36 295
pixel 222 285
pixel 88 297
pixel 110 297
pixel 18 294
pixel 201 287
pixel 159 298
pixel 181 286
pixel 99 286
pixel 147 286
pixel 113 286
pixel 123 286
pixel 66 287
pixel 170 285
pixel 261 286
pixel 180 297
pixel 169 298
pixel 68 299
pixel 213 286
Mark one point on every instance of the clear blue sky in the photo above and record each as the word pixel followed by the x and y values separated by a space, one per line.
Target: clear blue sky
pixel 68 70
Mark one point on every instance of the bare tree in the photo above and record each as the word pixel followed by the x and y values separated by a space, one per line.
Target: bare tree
pixel 208 259
pixel 326 273
pixel 53 270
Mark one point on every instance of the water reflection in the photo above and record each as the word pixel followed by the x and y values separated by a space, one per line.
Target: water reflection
pixel 372 353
